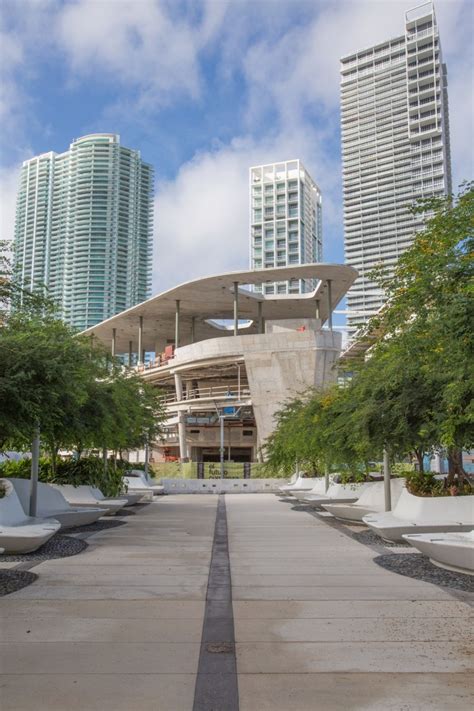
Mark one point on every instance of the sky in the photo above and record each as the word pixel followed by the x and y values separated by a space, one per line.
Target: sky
pixel 204 89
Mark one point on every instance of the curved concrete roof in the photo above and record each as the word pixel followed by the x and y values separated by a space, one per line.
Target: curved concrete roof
pixel 212 297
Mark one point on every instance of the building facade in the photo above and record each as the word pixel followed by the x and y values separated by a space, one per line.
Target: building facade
pixel 83 230
pixel 275 350
pixel 285 221
pixel 395 146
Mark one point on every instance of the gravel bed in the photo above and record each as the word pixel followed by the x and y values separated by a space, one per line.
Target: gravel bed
pixel 125 512
pixel 369 538
pixel 13 580
pixel 419 566
pixel 96 526
pixel 58 546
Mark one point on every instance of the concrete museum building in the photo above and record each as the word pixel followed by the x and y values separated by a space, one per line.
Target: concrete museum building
pixel 217 347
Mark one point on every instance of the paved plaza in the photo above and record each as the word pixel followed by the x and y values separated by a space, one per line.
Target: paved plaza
pixel 146 618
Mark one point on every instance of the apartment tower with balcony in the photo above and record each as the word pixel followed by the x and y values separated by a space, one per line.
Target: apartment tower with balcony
pixel 83 230
pixel 395 146
pixel 285 222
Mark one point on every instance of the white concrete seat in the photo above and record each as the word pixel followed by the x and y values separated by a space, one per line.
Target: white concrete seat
pixel 84 496
pixel 337 493
pixel 131 499
pixel 319 489
pixel 454 551
pixel 136 481
pixel 372 500
pixel 301 484
pixel 20 533
pixel 52 504
pixel 420 514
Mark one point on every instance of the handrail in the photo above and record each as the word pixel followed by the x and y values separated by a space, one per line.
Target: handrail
pixel 231 391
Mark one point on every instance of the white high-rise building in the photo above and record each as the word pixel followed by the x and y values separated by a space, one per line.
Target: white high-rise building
pixel 395 145
pixel 285 221
pixel 83 230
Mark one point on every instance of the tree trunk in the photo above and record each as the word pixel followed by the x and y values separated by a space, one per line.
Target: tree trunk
pixel 54 458
pixel 455 467
pixel 419 459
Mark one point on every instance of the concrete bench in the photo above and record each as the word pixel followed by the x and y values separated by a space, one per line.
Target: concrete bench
pixel 454 551
pixel 83 496
pixel 419 514
pixel 52 504
pixel 319 489
pixel 301 484
pixel 372 500
pixel 20 533
pixel 337 493
pixel 137 481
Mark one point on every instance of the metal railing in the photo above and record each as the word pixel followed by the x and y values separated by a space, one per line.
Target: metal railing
pixel 232 391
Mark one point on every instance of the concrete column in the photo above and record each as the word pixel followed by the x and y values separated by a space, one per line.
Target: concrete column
pixel 236 308
pixel 178 383
pixel 386 480
pixel 130 353
pixel 188 386
pixel 193 329
pixel 114 342
pixel 183 449
pixel 176 325
pixel 260 317
pixel 140 340
pixel 329 304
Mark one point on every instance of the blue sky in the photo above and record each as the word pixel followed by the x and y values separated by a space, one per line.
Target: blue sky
pixel 204 89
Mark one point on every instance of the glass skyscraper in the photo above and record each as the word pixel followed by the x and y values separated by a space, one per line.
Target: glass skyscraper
pixel 83 230
pixel 285 221
pixel 395 144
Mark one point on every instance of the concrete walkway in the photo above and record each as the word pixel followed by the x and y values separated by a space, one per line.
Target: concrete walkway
pixel 317 624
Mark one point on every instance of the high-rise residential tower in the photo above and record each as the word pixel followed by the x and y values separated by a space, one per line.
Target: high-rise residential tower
pixel 285 221
pixel 83 228
pixel 395 144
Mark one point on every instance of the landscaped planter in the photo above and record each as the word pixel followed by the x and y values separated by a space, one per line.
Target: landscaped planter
pixel 419 514
pixel 337 493
pixel 454 551
pixel 372 500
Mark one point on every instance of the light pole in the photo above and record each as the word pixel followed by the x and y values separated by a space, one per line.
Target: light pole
pixel 386 480
pixel 222 448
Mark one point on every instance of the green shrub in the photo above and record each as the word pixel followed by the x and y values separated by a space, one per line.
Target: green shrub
pixel 425 484
pixel 402 469
pixel 87 470
pixel 21 469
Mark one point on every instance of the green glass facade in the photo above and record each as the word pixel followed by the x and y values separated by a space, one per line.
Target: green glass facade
pixel 84 227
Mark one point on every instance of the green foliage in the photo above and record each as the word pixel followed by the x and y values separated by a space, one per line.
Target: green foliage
pixel 425 484
pixel 413 392
pixel 79 396
pixel 402 469
pixel 87 470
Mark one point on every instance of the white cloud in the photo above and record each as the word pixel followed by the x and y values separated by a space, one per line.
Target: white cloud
pixel 202 217
pixel 140 45
pixel 8 190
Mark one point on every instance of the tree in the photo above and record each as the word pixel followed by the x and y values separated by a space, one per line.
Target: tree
pixel 425 331
pixel 413 390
